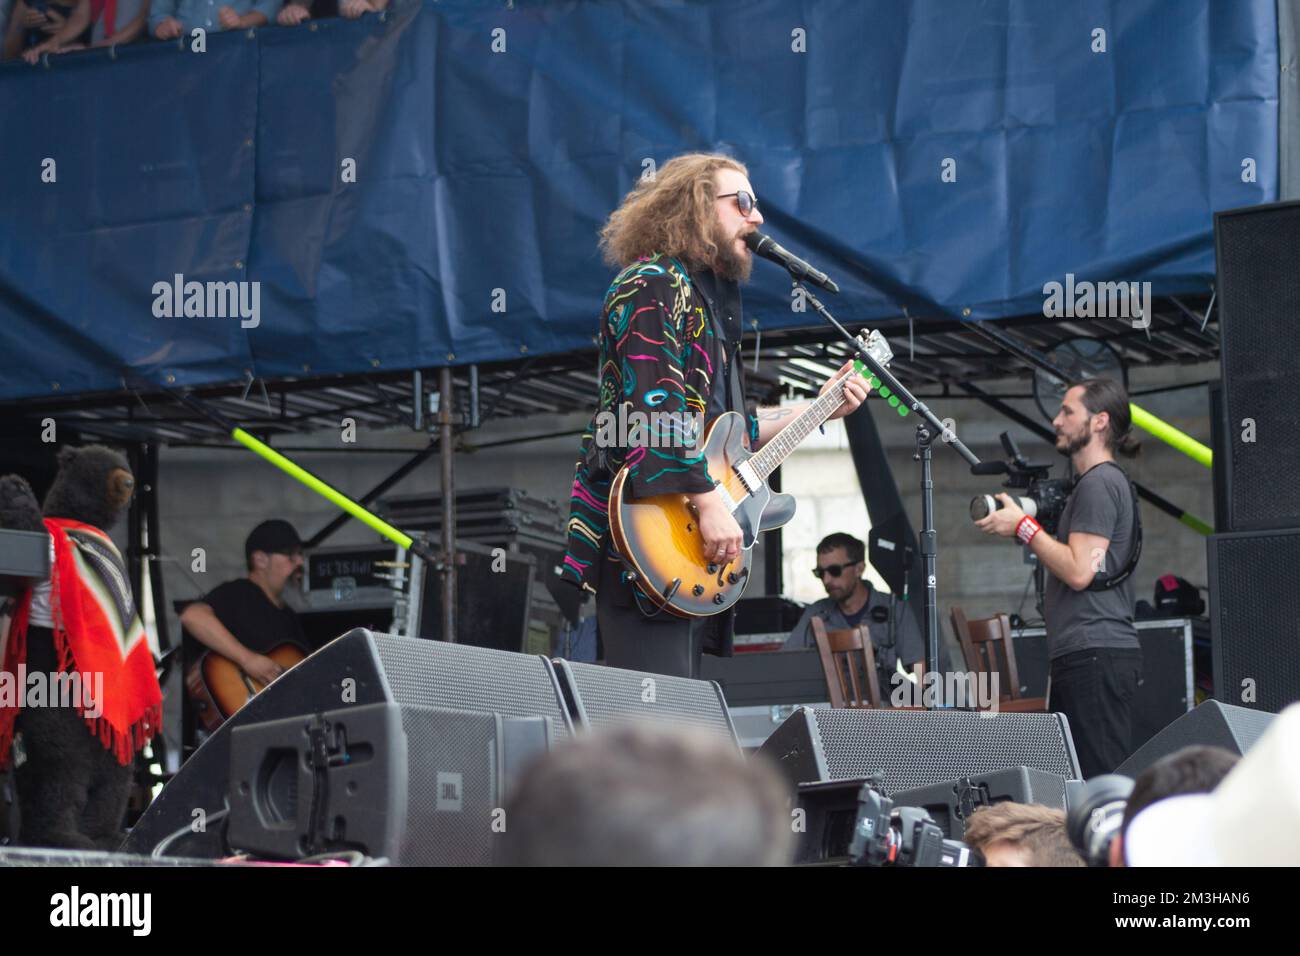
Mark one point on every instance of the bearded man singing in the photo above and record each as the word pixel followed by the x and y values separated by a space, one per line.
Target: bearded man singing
pixel 670 334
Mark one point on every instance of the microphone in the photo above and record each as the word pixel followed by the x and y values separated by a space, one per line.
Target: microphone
pixel 990 468
pixel 766 247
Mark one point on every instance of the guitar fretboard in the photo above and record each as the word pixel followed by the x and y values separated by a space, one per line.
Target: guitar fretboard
pixel 768 458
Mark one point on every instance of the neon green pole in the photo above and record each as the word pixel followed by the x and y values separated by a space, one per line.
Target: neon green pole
pixel 1196 524
pixel 1167 433
pixel 315 484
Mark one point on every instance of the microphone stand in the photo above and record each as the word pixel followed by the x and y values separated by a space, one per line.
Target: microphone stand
pixel 926 431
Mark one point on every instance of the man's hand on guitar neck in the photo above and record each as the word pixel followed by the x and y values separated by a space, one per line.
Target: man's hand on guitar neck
pixel 722 536
pixel 772 420
pixel 855 390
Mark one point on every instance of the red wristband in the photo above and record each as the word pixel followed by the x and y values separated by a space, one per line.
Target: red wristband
pixel 1027 528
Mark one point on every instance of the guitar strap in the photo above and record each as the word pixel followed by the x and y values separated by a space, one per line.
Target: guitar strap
pixel 735 388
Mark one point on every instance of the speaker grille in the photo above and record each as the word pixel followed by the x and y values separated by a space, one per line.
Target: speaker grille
pixel 1211 724
pixel 453 787
pixel 919 748
pixel 609 696
pixel 1257 618
pixel 1259 286
pixel 457 677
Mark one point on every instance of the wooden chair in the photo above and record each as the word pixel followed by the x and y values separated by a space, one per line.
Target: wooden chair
pixel 848 652
pixel 980 640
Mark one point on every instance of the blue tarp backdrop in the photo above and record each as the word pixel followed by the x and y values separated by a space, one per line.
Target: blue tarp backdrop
pixel 482 169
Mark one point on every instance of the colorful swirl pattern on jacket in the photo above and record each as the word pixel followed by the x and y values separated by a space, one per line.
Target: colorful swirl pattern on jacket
pixel 658 354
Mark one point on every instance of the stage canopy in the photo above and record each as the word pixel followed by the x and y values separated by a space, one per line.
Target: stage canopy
pixel 948 158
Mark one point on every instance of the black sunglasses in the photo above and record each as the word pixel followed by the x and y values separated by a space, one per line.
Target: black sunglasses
pixel 834 570
pixel 744 200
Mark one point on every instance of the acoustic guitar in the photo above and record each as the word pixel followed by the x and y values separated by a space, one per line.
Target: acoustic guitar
pixel 219 688
pixel 659 538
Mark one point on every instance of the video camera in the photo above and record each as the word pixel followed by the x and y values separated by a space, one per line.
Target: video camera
pixel 1096 815
pixel 1044 498
pixel 906 836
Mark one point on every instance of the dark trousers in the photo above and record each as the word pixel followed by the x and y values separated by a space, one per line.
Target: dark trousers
pixel 1094 689
pixel 656 644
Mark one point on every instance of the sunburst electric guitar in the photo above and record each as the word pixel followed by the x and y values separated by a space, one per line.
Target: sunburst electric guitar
pixel 659 536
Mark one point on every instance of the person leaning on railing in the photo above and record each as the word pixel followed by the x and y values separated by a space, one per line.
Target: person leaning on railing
pixel 169 19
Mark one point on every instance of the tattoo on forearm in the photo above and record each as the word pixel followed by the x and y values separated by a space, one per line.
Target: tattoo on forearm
pixel 774 414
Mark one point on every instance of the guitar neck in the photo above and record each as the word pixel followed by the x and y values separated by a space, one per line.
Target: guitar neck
pixel 768 458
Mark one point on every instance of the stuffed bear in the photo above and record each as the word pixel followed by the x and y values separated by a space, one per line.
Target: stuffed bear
pixel 73 755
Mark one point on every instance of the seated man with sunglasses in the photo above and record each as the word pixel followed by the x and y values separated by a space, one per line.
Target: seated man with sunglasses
pixel 852 601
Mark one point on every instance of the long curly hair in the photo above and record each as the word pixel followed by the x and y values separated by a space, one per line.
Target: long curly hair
pixel 671 212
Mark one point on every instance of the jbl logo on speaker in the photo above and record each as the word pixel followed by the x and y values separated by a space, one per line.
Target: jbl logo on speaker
pixel 449 792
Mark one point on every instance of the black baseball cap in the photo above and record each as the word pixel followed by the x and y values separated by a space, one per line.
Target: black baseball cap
pixel 276 536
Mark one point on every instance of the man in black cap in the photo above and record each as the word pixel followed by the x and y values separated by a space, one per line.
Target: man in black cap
pixel 245 618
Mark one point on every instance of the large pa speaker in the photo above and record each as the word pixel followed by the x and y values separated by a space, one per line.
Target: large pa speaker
pixel 357 669
pixel 1255 617
pixel 1211 724
pixel 915 748
pixel 417 786
pixel 1258 287
pixel 493 599
pixel 952 802
pixel 609 696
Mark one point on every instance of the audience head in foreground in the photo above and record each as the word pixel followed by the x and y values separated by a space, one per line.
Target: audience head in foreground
pixel 648 796
pixel 1196 769
pixel 1021 834
pixel 1252 818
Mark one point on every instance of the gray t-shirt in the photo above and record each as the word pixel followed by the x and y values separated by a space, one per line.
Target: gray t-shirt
pixel 909 644
pixel 1101 504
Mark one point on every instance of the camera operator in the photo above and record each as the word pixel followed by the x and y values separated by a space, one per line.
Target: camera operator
pixel 1095 656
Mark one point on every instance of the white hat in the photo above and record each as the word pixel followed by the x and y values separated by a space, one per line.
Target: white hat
pixel 1251 819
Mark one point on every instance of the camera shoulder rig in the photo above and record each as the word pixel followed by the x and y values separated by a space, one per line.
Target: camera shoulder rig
pixel 1104 581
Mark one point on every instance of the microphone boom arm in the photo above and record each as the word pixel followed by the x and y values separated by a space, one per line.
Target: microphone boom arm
pixel 928 537
pixel 885 375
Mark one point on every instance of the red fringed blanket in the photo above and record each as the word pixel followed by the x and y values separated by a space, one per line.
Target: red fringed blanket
pixel 96 632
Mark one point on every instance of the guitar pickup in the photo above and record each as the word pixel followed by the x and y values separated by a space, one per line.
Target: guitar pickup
pixel 749 477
